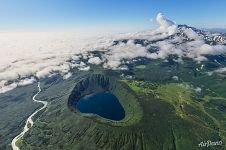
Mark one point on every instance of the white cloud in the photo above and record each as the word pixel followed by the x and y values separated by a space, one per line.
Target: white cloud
pixel 221 70
pixel 5 87
pixel 121 51
pixel 198 49
pixel 84 68
pixel 190 33
pixel 165 25
pixel 175 78
pixel 166 48
pixel 95 60
pixel 198 90
pixel 40 54
pixel 68 75
pixel 26 81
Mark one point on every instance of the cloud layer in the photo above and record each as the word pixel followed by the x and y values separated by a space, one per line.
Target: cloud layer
pixel 26 57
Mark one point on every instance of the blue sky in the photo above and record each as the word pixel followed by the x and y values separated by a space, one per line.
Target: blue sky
pixel 134 14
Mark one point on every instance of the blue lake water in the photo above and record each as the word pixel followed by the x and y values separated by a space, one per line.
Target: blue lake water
pixel 104 104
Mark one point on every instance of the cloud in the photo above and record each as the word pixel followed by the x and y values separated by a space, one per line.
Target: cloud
pixel 35 55
pixel 123 51
pixel 166 48
pixel 26 81
pixel 95 60
pixel 68 75
pixel 221 70
pixel 39 54
pixel 198 49
pixel 175 78
pixel 198 90
pixel 190 33
pixel 84 68
pixel 165 25
pixel 5 86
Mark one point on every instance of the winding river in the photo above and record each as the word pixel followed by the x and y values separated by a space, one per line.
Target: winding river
pixel 29 122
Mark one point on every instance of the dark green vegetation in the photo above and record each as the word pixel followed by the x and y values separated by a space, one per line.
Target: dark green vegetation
pixel 100 83
pixel 15 107
pixel 161 111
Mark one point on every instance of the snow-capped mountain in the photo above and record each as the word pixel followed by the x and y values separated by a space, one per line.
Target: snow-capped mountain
pixel 206 35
